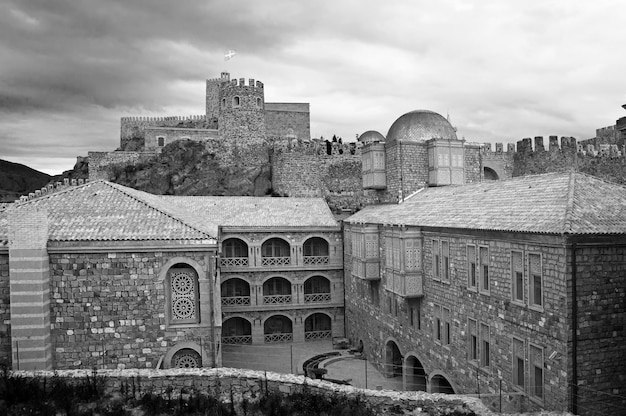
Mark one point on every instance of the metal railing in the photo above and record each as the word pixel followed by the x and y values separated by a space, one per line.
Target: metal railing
pixel 235 300
pixel 316 260
pixel 276 261
pixel 237 339
pixel 233 261
pixel 277 338
pixel 316 297
pixel 276 299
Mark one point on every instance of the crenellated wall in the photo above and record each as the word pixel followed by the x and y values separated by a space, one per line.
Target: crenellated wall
pixel 136 126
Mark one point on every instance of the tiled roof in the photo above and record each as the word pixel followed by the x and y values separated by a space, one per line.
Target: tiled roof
pixel 105 211
pixel 207 212
pixel 553 203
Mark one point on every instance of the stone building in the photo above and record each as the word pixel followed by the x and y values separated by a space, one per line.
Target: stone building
pixel 518 282
pixel 101 275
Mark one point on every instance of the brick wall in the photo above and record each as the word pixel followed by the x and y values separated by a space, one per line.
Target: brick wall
pixel 108 310
pixel 601 295
pixel 371 317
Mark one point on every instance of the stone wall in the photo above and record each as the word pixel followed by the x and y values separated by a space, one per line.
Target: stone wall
pixel 407 169
pixel 376 317
pixel 241 117
pixel 601 295
pixel 99 162
pixel 136 126
pixel 472 163
pixel 251 385
pixel 109 309
pixel 288 120
pixel 171 134
pixel 5 310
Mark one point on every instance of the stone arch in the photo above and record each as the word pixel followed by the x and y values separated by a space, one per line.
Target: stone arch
pixel 184 347
pixel 278 328
pixel 439 382
pixel 181 260
pixel 318 325
pixel 317 288
pixel 490 174
pixel 392 358
pixel 236 329
pixel 416 378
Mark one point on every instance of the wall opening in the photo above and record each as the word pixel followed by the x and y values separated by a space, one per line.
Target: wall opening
pixel 393 360
pixel 490 174
pixel 416 378
pixel 439 384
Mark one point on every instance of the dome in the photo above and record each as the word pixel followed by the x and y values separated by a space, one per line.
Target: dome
pixel 371 136
pixel 420 125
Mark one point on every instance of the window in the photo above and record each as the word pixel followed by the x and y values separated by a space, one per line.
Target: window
pixel 371 245
pixel 259 103
pixel 485 360
pixel 473 339
pixel 395 304
pixel 412 316
pixel 315 251
pixel 389 304
pixel 518 363
pixel 536 371
pixel 161 141
pixel 236 102
pixel 412 255
pixel 235 287
pixel 437 324
pixel 436 260
pixel 415 314
pixel 517 276
pixel 445 256
pixel 223 102
pixel 484 269
pixel 373 285
pixel 317 289
pixel 183 290
pixel 471 267
pixel 535 293
pixel 234 247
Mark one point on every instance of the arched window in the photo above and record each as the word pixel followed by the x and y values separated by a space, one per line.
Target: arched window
pixel 184 304
pixel 236 102
pixel 278 328
pixel 223 102
pixel 317 326
pixel 275 252
pixel 316 251
pixel 276 290
pixel 235 292
pixel 236 331
pixel 317 289
pixel 234 253
pixel 161 141
pixel 186 358
pixel 259 103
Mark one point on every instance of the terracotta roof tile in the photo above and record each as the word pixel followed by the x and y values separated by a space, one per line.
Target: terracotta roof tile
pixel 555 203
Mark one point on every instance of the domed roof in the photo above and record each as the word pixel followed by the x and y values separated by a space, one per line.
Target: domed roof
pixel 371 136
pixel 420 125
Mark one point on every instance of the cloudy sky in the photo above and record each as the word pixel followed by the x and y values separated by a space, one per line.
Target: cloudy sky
pixel 502 70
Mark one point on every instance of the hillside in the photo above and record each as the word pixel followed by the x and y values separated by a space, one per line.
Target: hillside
pixel 17 180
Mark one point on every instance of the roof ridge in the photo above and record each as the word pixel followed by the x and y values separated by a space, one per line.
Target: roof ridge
pixel 569 204
pixel 64 188
pixel 120 188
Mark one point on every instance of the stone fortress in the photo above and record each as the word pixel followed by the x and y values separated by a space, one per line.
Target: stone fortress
pixel 237 119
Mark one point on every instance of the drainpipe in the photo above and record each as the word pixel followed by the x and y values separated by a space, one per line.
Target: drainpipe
pixel 574 335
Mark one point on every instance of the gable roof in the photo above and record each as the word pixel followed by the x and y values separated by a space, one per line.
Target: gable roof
pixel 101 211
pixel 552 203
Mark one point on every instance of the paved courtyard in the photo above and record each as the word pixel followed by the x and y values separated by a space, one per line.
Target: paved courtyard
pixel 289 358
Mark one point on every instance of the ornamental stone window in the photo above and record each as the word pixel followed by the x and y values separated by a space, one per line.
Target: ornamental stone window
pixel 275 252
pixel 234 253
pixel 183 294
pixel 315 251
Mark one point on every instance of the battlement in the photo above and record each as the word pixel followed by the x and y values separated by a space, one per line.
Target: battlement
pixel 51 188
pixel 165 118
pixel 526 146
pixel 242 83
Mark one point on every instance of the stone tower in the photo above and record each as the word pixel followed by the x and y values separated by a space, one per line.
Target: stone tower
pixel 213 95
pixel 241 110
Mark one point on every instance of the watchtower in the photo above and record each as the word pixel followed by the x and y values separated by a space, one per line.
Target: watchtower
pixel 241 110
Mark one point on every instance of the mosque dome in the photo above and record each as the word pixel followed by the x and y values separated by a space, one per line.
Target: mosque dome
pixel 371 136
pixel 420 125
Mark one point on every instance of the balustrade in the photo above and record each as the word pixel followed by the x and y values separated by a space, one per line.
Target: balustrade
pixel 278 337
pixel 313 260
pixel 316 335
pixel 316 297
pixel 276 299
pixel 237 339
pixel 234 261
pixel 235 300
pixel 276 261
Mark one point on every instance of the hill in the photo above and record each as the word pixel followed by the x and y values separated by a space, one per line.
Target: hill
pixel 17 180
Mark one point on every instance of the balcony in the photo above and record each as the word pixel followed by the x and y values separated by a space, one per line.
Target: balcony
pixel 315 260
pixel 316 297
pixel 237 340
pixel 366 270
pixel 276 261
pixel 234 262
pixel 278 338
pixel 276 299
pixel 236 301
pixel 409 285
pixel 317 335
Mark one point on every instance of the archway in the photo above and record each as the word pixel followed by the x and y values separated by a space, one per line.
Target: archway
pixel 317 326
pixel 236 330
pixel 393 360
pixel 440 384
pixel 416 378
pixel 490 174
